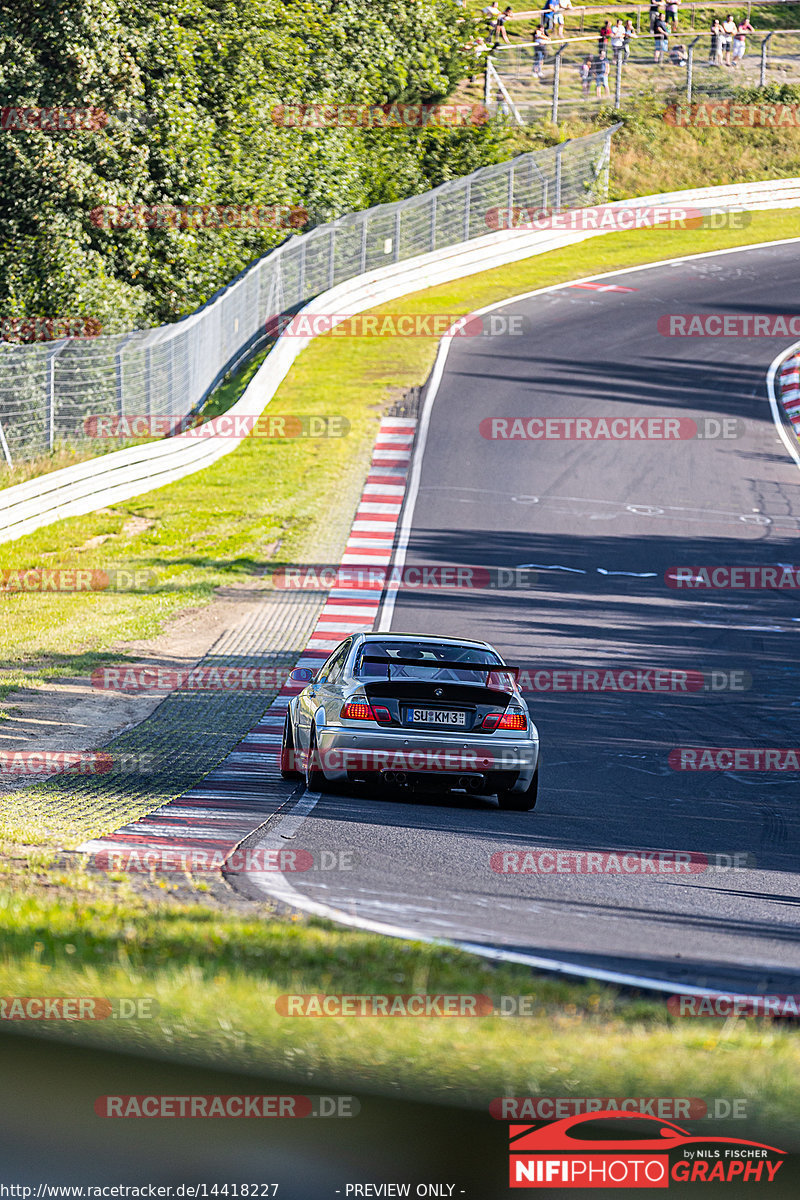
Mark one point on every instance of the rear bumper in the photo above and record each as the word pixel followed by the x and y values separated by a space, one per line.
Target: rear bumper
pixel 346 753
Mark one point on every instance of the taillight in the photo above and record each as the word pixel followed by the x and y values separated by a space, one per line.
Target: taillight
pixel 359 711
pixel 509 720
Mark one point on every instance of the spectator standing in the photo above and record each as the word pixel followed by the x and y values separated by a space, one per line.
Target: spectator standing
pixel 500 26
pixel 679 56
pixel 586 76
pixel 739 39
pixel 630 32
pixel 547 16
pixel 479 48
pixel 672 14
pixel 728 30
pixel 558 17
pixel 604 38
pixel 660 40
pixel 540 40
pixel 715 43
pixel 601 74
pixel 655 11
pixel 617 39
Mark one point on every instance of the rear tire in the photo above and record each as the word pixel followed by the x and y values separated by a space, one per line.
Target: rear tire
pixel 520 801
pixel 315 779
pixel 289 769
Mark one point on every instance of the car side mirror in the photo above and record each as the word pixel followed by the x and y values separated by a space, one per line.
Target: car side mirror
pixel 302 675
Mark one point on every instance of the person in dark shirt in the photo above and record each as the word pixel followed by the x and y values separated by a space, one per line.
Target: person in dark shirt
pixel 660 39
pixel 655 11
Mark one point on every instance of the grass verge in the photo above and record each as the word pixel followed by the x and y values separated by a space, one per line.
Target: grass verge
pixel 216 979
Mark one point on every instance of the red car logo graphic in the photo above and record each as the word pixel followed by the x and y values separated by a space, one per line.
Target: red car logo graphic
pixel 595 1150
pixel 643 1133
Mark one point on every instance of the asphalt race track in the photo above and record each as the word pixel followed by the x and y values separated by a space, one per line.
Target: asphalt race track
pixel 602 522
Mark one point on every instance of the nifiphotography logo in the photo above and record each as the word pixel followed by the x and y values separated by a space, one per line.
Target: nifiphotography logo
pixel 613 1149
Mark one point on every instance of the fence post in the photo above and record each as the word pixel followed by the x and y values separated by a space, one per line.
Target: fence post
pixel 332 258
pixel 4 444
pixel 487 90
pixel 559 152
pixel 363 245
pixel 511 186
pixel 556 77
pixel 763 77
pixel 51 392
pixel 434 198
pixel 618 82
pixel 638 20
pixel 397 235
pixel 118 380
pixel 690 68
pixel 301 283
pixel 467 203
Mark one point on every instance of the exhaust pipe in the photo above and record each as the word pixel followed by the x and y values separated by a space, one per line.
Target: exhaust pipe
pixel 389 776
pixel 472 783
pixel 400 777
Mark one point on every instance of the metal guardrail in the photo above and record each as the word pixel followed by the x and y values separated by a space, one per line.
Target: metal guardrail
pixel 133 471
pixel 48 390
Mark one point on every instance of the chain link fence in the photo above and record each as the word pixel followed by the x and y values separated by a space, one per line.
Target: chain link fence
pixel 531 84
pixel 52 393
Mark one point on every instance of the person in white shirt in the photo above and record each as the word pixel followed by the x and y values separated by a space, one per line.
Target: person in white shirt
pixel 558 17
pixel 617 39
pixel 728 30
pixel 630 32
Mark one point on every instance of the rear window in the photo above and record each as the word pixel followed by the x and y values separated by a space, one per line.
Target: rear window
pixel 428 661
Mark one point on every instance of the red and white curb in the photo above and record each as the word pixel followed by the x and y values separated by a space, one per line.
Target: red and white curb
pixel 789 390
pixel 207 823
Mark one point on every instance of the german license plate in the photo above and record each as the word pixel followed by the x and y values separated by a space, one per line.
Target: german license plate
pixel 437 716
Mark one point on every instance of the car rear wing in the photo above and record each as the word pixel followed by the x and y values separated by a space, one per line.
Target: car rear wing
pixel 494 672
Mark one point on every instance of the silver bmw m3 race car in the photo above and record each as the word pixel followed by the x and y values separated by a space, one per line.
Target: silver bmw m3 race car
pixel 398 710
